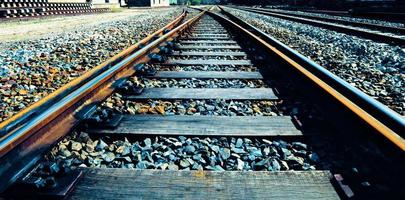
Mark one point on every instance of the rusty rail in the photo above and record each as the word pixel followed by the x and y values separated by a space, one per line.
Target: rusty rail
pixel 8 125
pixel 24 145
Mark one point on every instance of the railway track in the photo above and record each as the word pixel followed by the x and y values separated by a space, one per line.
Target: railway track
pixel 374 32
pixel 378 27
pixel 389 16
pixel 212 99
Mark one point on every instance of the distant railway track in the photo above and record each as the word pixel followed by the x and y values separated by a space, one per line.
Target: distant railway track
pixel 377 33
pixel 390 16
pixel 395 30
pixel 227 49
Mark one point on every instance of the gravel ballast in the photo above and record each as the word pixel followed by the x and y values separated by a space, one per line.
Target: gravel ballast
pixel 217 107
pixel 195 83
pixel 184 153
pixel 32 69
pixel 375 68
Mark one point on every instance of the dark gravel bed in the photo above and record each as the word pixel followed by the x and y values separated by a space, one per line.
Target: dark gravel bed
pixel 32 69
pixel 212 50
pixel 203 44
pixel 206 68
pixel 377 69
pixel 184 153
pixel 196 83
pixel 227 57
pixel 196 107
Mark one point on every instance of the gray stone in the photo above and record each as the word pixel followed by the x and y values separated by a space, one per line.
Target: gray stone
pixel 225 153
pixel 216 168
pixel 173 166
pixel 314 157
pixel 189 149
pixel 240 164
pixel 238 150
pixel 141 165
pixel 239 143
pixel 210 107
pixel 109 157
pixel 76 146
pixel 101 145
pixel 275 165
pixel 148 142
pixel 299 145
pixel 214 148
pixel 184 163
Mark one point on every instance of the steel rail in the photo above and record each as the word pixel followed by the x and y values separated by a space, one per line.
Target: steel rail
pixel 328 12
pixel 374 15
pixel 8 125
pixel 378 37
pixel 386 121
pixel 24 146
pixel 341 21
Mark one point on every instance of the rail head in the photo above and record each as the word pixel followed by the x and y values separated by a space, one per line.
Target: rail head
pixel 386 121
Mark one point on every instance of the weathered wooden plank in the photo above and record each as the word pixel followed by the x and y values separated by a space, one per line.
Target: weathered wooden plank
pixel 110 183
pixel 207 62
pixel 181 47
pixel 205 93
pixel 206 38
pixel 208 74
pixel 208 42
pixel 203 126
pixel 205 53
pixel 210 29
pixel 210 35
pixel 202 31
pixel 210 26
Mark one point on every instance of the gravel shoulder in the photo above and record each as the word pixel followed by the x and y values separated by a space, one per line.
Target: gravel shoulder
pixel 30 69
pixel 377 69
pixel 39 27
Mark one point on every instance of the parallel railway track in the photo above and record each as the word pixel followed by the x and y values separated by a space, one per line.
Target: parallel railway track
pixel 206 47
pixel 379 27
pixel 375 32
pixel 390 16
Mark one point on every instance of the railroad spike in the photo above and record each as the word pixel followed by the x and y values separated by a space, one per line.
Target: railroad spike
pixel 37 184
pixel 154 38
pixel 156 58
pixel 140 46
pixel 132 90
pixel 102 118
pixel 144 70
pixel 50 182
pixel 170 44
pixel 342 187
pixel 165 50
